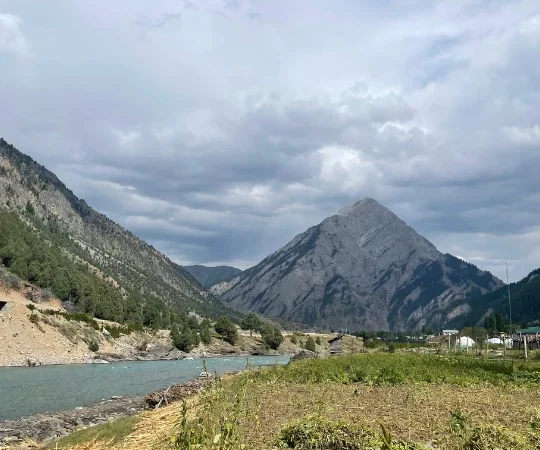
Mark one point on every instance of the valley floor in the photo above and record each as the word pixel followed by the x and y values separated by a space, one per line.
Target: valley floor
pixel 422 401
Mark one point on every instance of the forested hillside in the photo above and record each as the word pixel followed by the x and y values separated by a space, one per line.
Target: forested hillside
pixel 209 276
pixel 85 257
pixel 525 295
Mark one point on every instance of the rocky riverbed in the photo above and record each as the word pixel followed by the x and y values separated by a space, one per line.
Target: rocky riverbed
pixel 49 426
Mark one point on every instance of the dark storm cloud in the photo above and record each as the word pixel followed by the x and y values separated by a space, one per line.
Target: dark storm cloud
pixel 221 137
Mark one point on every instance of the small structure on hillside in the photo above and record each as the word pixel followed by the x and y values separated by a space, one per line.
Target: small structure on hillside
pixel 531 334
pixel 3 304
pixel 336 345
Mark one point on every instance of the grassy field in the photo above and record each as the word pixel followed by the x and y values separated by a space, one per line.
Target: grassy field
pixel 366 401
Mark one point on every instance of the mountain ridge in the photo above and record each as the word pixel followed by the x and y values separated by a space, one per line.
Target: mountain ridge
pixel 209 276
pixel 362 268
pixel 59 216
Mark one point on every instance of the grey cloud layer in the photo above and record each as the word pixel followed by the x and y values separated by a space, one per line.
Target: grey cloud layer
pixel 219 130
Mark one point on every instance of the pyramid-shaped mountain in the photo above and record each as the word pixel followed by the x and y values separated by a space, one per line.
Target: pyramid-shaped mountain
pixel 363 268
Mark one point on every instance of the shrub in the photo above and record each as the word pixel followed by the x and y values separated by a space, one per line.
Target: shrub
pixel 31 307
pixel 310 344
pixel 319 433
pixel 294 340
pixel 500 438
pixel 392 348
pixel 227 330
pixel 271 335
pixel 34 318
pixel 318 340
pixel 93 346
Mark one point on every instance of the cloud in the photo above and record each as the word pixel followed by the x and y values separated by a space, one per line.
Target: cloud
pixel 154 23
pixel 12 39
pixel 218 137
pixel 525 136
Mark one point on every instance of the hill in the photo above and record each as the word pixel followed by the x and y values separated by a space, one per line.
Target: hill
pixel 525 295
pixel 91 263
pixel 363 268
pixel 209 276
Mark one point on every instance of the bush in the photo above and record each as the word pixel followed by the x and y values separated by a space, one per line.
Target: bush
pixel 34 318
pixel 319 433
pixel 272 336
pixel 318 340
pixel 294 340
pixel 227 330
pixel 310 344
pixel 392 348
pixel 93 346
pixel 500 438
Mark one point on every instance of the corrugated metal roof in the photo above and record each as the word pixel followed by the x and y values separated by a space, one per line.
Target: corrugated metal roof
pixel 530 330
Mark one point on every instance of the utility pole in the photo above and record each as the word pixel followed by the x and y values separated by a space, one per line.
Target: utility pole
pixel 509 300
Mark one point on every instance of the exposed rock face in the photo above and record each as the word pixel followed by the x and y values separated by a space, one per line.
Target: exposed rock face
pixel 109 250
pixel 363 268
pixel 209 276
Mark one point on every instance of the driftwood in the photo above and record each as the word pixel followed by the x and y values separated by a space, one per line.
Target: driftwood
pixel 173 393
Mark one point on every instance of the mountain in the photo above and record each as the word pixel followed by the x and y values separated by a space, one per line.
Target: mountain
pixel 39 208
pixel 525 296
pixel 363 268
pixel 209 276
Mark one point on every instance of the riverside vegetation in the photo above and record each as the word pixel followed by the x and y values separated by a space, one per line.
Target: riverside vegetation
pixel 368 401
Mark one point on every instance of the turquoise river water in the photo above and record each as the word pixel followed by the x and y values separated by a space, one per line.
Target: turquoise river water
pixel 31 390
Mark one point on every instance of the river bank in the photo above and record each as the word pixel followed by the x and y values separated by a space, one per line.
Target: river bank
pixel 44 403
pixel 32 338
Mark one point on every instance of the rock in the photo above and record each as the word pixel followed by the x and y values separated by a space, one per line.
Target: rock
pixel 303 354
pixel 31 361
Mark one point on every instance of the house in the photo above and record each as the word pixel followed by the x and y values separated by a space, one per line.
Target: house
pixel 531 334
pixel 336 345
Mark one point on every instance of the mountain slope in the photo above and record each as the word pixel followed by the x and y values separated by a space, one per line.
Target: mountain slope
pixel 209 276
pixel 58 217
pixel 525 296
pixel 362 268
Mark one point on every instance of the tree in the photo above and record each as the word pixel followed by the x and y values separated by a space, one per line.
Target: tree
pixel 206 335
pixel 294 340
pixel 192 323
pixel 195 339
pixel 310 344
pixel 318 340
pixel 185 342
pixel 226 329
pixel 251 322
pixel 271 335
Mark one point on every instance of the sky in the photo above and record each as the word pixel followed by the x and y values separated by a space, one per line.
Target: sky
pixel 218 130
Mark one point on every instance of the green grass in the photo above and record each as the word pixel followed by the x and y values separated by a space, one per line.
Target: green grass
pixel 393 369
pixel 113 431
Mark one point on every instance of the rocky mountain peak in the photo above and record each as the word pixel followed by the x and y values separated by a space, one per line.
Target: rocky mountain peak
pixel 363 268
pixel 366 205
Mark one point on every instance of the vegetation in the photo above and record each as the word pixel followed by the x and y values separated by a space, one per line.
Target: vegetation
pixel 310 344
pixel 36 260
pixel 251 322
pixel 412 406
pixel 525 296
pixel 111 433
pixel 271 335
pixel 226 328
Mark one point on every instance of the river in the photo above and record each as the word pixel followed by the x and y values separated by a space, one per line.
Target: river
pixel 32 390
